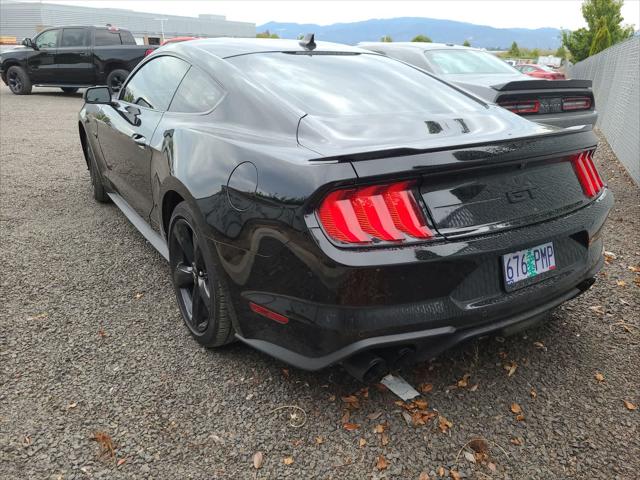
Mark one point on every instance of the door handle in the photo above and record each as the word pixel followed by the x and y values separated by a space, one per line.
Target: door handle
pixel 139 140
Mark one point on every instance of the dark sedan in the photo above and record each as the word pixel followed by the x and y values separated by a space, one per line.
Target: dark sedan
pixel 326 204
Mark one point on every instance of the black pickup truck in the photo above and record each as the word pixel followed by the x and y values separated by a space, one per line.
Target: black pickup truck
pixel 72 57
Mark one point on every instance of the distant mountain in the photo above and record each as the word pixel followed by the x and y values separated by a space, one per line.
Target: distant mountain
pixel 405 28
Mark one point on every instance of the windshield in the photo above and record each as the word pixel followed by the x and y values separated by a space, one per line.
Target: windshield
pixel 467 62
pixel 351 84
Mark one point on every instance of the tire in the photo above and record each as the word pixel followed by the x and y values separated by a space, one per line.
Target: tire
pixel 69 89
pixel 116 78
pixel 18 81
pixel 99 193
pixel 195 276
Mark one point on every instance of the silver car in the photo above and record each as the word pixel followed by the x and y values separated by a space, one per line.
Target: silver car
pixel 562 103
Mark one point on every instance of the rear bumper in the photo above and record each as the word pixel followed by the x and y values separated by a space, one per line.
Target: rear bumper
pixel 428 297
pixel 567 119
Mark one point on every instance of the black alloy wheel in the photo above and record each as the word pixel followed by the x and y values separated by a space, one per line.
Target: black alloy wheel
pixel 18 81
pixel 116 79
pixel 190 277
pixel 15 82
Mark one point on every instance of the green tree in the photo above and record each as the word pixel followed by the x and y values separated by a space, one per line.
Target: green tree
pixel 604 19
pixel 422 38
pixel 514 51
pixel 561 52
pixel 466 43
pixel 386 39
pixel 535 53
pixel 267 34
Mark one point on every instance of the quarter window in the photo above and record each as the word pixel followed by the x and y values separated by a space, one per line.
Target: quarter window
pixel 48 39
pixel 197 93
pixel 105 38
pixel 74 37
pixel 155 83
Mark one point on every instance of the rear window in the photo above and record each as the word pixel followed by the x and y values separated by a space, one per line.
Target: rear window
pixel 113 37
pixel 466 62
pixel 351 84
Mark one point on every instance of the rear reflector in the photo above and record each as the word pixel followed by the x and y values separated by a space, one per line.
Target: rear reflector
pixel 388 213
pixel 521 106
pixel 270 314
pixel 587 174
pixel 577 103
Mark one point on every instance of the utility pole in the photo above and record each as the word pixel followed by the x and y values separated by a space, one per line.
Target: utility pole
pixel 162 20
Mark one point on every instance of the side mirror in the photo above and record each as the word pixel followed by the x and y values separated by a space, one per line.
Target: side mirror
pixel 27 42
pixel 98 95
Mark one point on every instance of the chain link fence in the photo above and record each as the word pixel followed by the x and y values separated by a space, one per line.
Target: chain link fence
pixel 615 73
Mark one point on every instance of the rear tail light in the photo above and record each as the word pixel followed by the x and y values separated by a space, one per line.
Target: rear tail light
pixel 521 106
pixel 587 174
pixel 579 103
pixel 267 313
pixel 148 51
pixel 388 213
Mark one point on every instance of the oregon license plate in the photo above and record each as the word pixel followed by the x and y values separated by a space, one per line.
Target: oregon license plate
pixel 525 264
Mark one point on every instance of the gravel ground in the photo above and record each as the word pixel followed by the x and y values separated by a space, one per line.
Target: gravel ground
pixel 92 345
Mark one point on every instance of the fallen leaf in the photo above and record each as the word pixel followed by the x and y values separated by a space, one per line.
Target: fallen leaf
pixel 72 405
pixel 516 441
pixel 106 444
pixel 384 439
pixel 102 333
pixel 40 316
pixel 352 401
pixel 470 457
pixel 637 281
pixel 319 440
pixel 346 416
pixel 599 377
pixel 539 345
pixel 621 283
pixel 441 471
pixel 511 368
pixel 533 393
pixel 425 387
pixel 464 381
pixel 634 269
pixel 362 442
pixel 332 398
pixel 380 387
pixel 287 460
pixel 479 445
pixel 455 475
pixel 424 476
pixel 139 295
pixel 515 408
pixel 599 309
pixel 26 440
pixel 520 418
pixel 378 428
pixel 375 415
pixel 608 256
pixel 444 424
pixel 629 405
pixel 492 466
pixel 258 460
pixel 474 388
pixel 364 392
pixel 351 426
pixel 285 372
pixel 381 463
pixel 421 404
pixel 122 461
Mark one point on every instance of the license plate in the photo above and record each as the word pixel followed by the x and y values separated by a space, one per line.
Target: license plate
pixel 525 264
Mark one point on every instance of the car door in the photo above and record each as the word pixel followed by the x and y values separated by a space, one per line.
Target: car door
pixel 127 127
pixel 73 57
pixel 42 64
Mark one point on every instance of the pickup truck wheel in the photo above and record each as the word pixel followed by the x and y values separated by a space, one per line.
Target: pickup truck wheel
pixel 69 89
pixel 116 78
pixel 18 81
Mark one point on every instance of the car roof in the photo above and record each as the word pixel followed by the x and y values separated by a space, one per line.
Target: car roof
pixel 229 47
pixel 415 46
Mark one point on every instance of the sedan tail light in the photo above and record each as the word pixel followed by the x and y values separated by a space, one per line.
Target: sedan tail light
pixel 576 103
pixel 367 215
pixel 148 51
pixel 521 106
pixel 587 174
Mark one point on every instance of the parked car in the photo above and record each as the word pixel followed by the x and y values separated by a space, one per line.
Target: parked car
pixel 563 103
pixel 72 57
pixel 325 204
pixel 177 39
pixel 540 71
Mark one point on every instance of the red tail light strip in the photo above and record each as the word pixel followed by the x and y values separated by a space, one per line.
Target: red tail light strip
pixel 577 103
pixel 587 174
pixel 270 314
pixel 522 106
pixel 363 215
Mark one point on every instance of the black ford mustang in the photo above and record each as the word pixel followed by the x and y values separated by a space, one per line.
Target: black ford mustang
pixel 326 204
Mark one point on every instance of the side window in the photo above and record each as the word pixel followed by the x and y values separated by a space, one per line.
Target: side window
pixel 105 38
pixel 48 39
pixel 127 38
pixel 74 37
pixel 155 83
pixel 196 94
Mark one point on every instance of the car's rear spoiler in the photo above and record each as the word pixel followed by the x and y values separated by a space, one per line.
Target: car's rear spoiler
pixel 541 84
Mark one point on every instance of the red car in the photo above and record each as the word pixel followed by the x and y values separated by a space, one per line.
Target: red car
pixel 177 39
pixel 540 71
